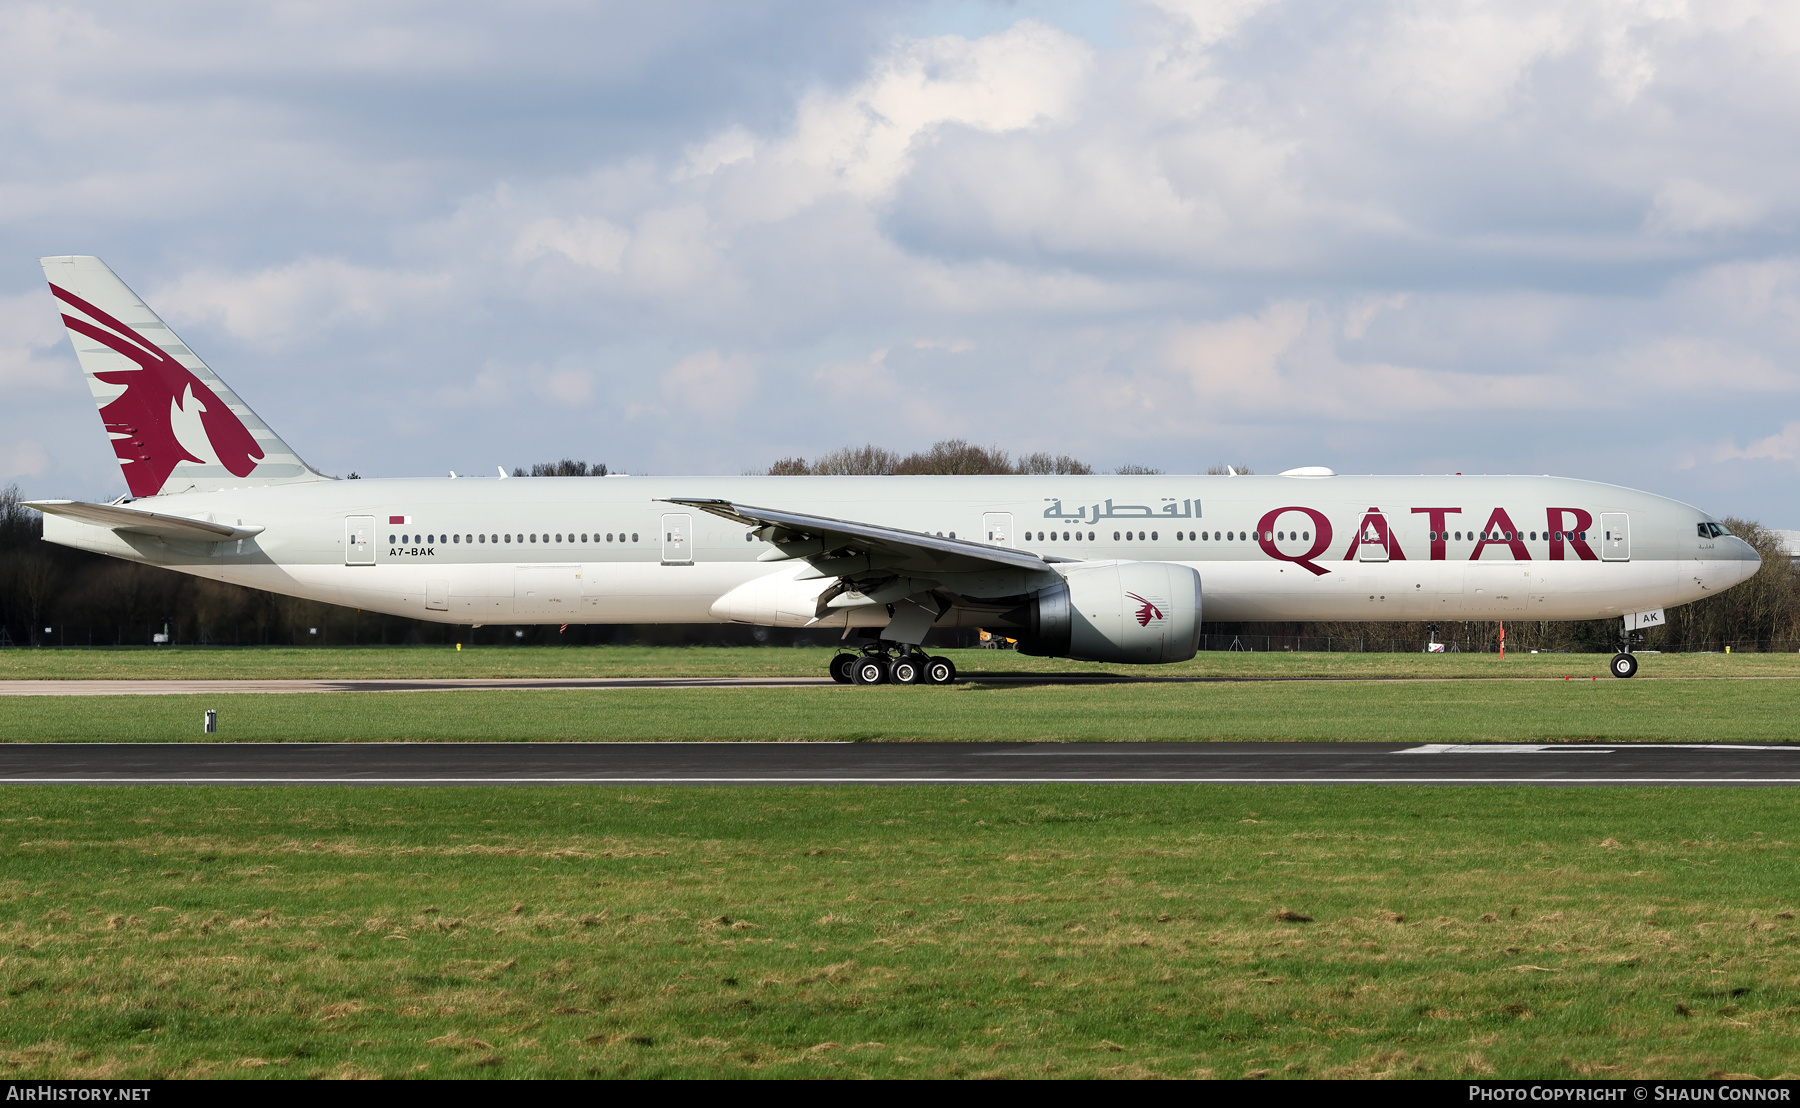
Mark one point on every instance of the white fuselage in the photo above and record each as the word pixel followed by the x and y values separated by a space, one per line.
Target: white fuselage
pixel 609 550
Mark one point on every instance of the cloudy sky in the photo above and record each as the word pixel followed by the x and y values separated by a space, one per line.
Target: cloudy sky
pixel 1387 237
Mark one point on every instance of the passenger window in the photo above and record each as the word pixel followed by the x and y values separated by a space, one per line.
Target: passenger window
pixel 455 538
pixel 634 537
pixel 509 538
pixel 1152 536
pixel 391 538
pixel 1115 536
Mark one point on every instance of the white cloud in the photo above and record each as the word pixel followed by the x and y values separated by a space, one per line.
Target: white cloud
pixel 1250 224
pixel 1782 446
pixel 594 243
pixel 24 458
pixel 304 301
pixel 1684 206
pixel 728 147
pixel 32 354
pixel 709 383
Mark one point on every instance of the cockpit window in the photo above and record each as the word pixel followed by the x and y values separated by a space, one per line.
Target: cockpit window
pixel 1711 530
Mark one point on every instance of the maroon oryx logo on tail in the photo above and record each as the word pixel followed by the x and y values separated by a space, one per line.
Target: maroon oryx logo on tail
pixel 142 418
pixel 1148 612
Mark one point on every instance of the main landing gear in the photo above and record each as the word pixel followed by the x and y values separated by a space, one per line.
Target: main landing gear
pixel 884 664
pixel 1624 665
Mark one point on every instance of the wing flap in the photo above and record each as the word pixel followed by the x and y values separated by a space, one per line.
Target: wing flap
pixel 869 544
pixel 138 522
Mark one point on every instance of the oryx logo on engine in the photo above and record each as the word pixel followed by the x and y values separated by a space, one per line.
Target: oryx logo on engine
pixel 1148 613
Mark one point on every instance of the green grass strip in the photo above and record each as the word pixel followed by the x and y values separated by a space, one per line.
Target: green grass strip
pixel 1550 710
pixel 934 931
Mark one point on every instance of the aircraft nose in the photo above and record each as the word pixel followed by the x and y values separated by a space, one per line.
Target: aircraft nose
pixel 1747 559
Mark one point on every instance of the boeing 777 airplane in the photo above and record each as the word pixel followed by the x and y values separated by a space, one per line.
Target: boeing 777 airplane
pixel 1094 568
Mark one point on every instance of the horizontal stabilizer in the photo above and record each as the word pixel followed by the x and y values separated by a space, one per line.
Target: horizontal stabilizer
pixel 137 522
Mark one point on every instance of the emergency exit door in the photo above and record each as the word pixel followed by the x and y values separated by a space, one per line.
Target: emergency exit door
pixel 1615 537
pixel 998 529
pixel 359 540
pixel 677 540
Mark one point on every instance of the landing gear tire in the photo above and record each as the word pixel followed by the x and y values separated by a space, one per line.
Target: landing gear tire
pixel 840 668
pixel 1624 665
pixel 869 671
pixel 906 671
pixel 939 671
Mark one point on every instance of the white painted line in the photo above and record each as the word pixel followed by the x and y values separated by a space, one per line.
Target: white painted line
pixel 1576 748
pixel 1500 748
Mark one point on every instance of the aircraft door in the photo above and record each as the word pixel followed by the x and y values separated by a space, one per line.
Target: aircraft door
pixel 997 526
pixel 677 540
pixel 1615 537
pixel 1372 541
pixel 359 540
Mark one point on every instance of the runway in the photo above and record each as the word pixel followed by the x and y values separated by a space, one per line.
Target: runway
pixel 808 763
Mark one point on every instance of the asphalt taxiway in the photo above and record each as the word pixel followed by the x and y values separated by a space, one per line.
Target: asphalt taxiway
pixel 974 763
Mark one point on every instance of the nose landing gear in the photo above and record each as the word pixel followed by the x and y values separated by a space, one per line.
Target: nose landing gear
pixel 885 663
pixel 1624 665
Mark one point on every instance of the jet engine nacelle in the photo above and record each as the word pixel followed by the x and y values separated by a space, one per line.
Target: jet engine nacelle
pixel 1136 612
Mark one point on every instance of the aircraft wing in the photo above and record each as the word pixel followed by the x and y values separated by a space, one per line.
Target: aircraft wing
pixel 139 522
pixel 842 547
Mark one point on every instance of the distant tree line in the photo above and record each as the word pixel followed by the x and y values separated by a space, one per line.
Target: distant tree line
pixel 951 457
pixel 568 467
pixel 86 597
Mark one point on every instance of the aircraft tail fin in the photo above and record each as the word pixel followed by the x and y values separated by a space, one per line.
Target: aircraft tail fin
pixel 175 426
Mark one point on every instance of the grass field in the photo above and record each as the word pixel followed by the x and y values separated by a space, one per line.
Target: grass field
pixel 920 931
pixel 1463 711
pixel 662 661
pixel 1067 930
